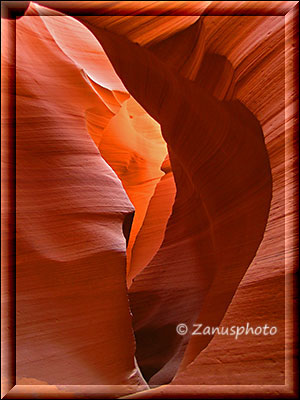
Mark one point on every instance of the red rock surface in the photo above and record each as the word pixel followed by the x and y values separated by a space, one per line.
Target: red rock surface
pixel 71 252
pixel 223 196
pixel 152 190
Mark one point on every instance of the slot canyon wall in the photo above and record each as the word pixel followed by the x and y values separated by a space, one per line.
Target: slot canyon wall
pixel 155 183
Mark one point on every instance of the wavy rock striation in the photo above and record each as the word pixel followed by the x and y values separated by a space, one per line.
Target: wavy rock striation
pixel 223 179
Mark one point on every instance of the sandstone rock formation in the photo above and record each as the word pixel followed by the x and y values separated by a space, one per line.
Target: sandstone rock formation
pixel 150 178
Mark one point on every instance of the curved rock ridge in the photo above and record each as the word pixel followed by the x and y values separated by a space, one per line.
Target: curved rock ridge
pixel 224 185
pixel 151 234
pixel 73 318
pixel 133 146
pixel 130 141
pixel 78 43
